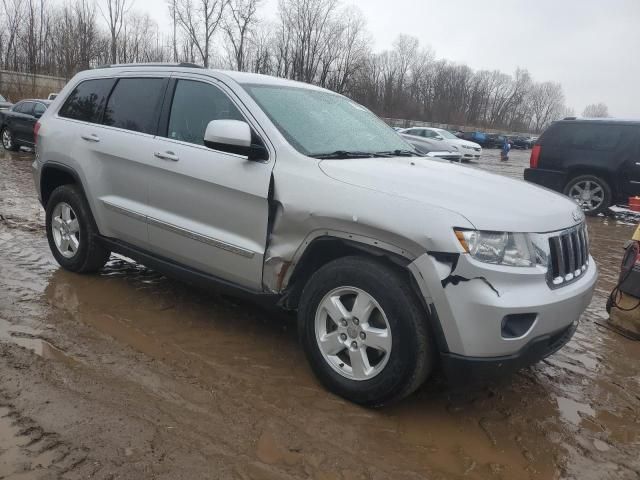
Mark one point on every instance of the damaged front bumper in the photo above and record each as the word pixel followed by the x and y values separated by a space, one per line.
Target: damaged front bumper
pixel 473 303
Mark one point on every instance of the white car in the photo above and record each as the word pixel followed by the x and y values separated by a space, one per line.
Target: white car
pixel 468 150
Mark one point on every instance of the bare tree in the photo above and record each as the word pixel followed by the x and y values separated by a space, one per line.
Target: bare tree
pixel 199 20
pixel 596 110
pixel 114 14
pixel 13 13
pixel 546 103
pixel 238 27
pixel 317 41
pixel 304 25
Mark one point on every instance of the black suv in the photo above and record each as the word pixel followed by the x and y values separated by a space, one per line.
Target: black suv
pixel 594 161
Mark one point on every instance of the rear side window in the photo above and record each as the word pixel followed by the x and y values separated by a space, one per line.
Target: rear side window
pixel 195 104
pixel 87 100
pixel 584 136
pixel 596 137
pixel 135 104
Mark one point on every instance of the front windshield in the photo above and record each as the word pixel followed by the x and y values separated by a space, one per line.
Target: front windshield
pixel 317 123
pixel 445 134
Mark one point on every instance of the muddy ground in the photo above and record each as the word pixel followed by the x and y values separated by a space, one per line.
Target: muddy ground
pixel 130 375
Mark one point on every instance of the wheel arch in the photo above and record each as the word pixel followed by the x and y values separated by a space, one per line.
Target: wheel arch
pixel 328 246
pixel 53 175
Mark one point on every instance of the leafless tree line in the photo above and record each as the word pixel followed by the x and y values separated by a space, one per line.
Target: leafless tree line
pixel 316 41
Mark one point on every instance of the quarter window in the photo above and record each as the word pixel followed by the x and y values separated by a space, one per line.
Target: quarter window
pixel 135 104
pixel 195 104
pixel 87 100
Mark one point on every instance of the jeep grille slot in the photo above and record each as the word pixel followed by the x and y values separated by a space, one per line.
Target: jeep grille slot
pixel 569 256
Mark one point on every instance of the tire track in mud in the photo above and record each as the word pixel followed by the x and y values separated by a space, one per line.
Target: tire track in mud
pixel 28 452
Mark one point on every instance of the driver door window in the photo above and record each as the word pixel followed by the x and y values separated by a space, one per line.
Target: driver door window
pixel 195 104
pixel 24 107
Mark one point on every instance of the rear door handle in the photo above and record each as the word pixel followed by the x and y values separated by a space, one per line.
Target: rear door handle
pixel 166 156
pixel 91 138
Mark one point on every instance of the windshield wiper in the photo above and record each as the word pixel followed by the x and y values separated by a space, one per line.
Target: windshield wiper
pixel 400 153
pixel 344 154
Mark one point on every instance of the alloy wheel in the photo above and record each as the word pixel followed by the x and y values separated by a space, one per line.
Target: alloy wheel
pixel 66 230
pixel 7 141
pixel 353 333
pixel 588 194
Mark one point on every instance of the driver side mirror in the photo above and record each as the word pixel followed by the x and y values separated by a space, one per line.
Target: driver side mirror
pixel 234 136
pixel 438 137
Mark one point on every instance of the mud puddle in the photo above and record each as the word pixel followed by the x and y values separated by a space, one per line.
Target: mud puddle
pixel 180 383
pixel 28 338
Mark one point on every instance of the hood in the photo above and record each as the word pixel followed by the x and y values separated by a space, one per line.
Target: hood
pixel 488 201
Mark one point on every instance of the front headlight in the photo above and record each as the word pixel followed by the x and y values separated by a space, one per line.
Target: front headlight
pixel 498 248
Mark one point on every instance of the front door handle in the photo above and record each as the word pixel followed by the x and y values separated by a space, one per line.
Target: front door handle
pixel 166 156
pixel 91 138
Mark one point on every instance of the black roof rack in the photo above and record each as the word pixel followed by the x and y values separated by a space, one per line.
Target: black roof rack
pixel 570 118
pixel 129 65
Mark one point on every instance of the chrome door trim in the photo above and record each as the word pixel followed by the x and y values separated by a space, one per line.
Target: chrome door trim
pixel 201 238
pixel 124 211
pixel 181 231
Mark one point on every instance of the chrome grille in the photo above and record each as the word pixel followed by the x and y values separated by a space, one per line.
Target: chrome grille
pixel 568 256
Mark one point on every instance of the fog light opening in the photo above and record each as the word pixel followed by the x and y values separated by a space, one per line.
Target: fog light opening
pixel 517 325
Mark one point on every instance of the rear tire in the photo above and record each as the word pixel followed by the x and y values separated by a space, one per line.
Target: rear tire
pixel 72 232
pixel 391 338
pixel 8 142
pixel 591 192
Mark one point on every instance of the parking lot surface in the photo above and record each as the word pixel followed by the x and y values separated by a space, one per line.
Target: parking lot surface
pixel 128 374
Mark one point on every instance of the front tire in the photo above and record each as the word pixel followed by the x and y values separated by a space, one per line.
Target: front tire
pixel 592 193
pixel 72 233
pixel 8 143
pixel 364 331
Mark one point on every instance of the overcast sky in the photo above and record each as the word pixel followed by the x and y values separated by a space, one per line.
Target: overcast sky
pixel 589 46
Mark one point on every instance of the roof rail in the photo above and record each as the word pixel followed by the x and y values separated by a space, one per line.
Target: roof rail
pixel 570 118
pixel 129 65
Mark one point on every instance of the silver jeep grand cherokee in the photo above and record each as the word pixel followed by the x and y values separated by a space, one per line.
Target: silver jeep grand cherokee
pixel 393 261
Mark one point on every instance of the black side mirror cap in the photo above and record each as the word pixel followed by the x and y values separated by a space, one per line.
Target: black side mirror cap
pixel 254 152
